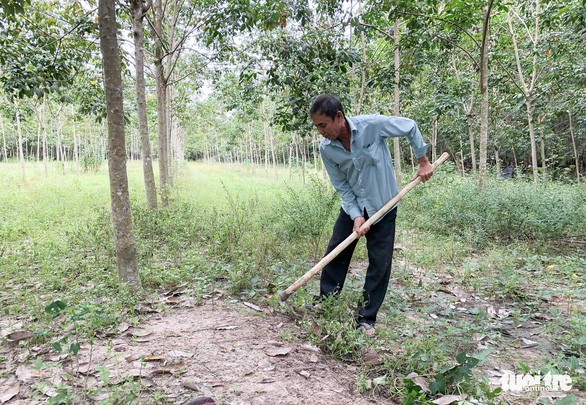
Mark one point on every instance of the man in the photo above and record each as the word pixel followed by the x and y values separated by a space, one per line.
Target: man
pixel 356 156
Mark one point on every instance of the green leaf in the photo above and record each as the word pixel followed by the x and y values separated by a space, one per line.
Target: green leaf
pixel 57 347
pixel 569 400
pixel 439 385
pixel 74 348
pixel 55 308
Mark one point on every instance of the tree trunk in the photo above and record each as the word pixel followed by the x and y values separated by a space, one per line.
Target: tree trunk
pixel 471 136
pixel 296 153
pixel 121 214
pixel 574 145
pixel 273 153
pixel 397 107
pixel 161 89
pixel 170 149
pixel 433 138
pixel 461 168
pixel 528 89
pixel 543 164
pixel 484 98
pixel 290 158
pixel 138 11
pixel 3 140
pixel 266 149
pixel 303 159
pixel 498 161
pixel 45 155
pixel 75 142
pixel 20 151
pixel 534 163
pixel 39 142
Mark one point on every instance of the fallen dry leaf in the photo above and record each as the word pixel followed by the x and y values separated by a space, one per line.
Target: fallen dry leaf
pixel 132 358
pixel 315 328
pixel 179 354
pixel 304 373
pixel 202 401
pixel 311 348
pixel 161 371
pixel 448 399
pixel 123 327
pixel 420 381
pixel 140 333
pixel 227 327
pixel 154 358
pixel 170 300
pixel 10 389
pixel 278 351
pixel 313 358
pixel 528 343
pixel 25 374
pixel 252 306
pixel 12 339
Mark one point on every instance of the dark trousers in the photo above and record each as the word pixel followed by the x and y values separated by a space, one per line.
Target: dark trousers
pixel 380 240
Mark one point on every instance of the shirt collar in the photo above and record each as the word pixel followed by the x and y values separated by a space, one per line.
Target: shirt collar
pixel 351 124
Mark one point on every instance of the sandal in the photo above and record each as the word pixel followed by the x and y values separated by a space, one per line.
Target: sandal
pixel 367 329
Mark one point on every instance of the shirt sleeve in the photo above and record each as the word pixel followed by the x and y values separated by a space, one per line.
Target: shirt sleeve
pixel 340 183
pixel 393 127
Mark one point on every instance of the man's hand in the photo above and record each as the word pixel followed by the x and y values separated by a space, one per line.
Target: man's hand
pixel 425 169
pixel 358 221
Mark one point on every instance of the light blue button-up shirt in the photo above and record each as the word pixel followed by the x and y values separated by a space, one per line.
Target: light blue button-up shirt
pixel 364 177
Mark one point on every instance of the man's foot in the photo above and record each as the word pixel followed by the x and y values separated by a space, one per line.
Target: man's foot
pixel 315 304
pixel 367 329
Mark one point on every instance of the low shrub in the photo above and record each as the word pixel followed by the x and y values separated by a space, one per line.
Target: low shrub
pixel 506 209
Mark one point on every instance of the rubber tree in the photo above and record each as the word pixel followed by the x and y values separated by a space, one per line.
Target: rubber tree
pixel 528 83
pixel 138 10
pixel 126 255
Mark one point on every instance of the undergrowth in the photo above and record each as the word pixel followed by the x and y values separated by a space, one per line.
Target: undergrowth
pixel 254 237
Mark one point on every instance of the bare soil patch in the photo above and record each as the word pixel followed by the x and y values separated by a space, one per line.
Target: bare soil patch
pixel 226 351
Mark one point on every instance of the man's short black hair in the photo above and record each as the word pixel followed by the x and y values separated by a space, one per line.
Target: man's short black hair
pixel 326 104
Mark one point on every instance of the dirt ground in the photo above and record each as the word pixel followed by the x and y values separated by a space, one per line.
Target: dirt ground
pixel 226 350
pixel 237 353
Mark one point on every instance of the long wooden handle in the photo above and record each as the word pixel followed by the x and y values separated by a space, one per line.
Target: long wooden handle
pixel 284 295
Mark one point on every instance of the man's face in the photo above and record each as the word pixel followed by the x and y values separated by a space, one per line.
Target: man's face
pixel 327 127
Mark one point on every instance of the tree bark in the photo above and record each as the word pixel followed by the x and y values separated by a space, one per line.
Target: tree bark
pixel 303 159
pixel 433 138
pixel 397 107
pixel 471 136
pixel 161 89
pixel 528 89
pixel 121 213
pixel 273 153
pixel 44 124
pixel 39 142
pixel 540 121
pixel 138 11
pixel 483 153
pixel 3 140
pixel 576 157
pixel 290 158
pixel 20 151
pixel 75 142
